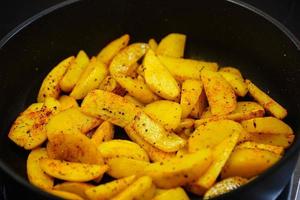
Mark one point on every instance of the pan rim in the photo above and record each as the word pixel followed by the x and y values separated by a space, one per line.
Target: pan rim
pixel 293 150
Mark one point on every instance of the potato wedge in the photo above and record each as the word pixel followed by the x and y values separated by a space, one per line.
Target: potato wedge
pixel 179 171
pixel 266 125
pixel 123 167
pixel 52 104
pixel 211 134
pixel 224 186
pixel 109 106
pixel 67 102
pixel 158 78
pixel 71 120
pixel 74 187
pixel 149 194
pixel 90 79
pixel 175 193
pixel 122 148
pixel 266 101
pixel 108 190
pixel 124 62
pixel 221 154
pixel 134 101
pixel 172 45
pixel 74 72
pixel 165 112
pixel 73 147
pixel 253 145
pixel 237 83
pixel 64 195
pixel 111 85
pixel 50 86
pixel 112 49
pixel 35 174
pixel 72 171
pixel 154 153
pixel 184 124
pixel 248 163
pixel 136 190
pixel 231 70
pixel 155 134
pixel 104 133
pixel 220 95
pixel 190 93
pixel 152 44
pixel 183 69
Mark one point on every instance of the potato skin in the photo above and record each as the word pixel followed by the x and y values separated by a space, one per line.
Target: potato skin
pixel 172 45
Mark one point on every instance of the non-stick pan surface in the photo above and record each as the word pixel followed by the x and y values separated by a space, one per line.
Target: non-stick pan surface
pixel 228 32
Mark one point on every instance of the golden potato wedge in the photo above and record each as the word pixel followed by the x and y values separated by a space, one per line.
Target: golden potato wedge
pixel 65 195
pixel 158 78
pixel 172 45
pixel 175 193
pixel 167 113
pixel 133 100
pixel 154 153
pixel 111 85
pixel 124 62
pixel 73 147
pixel 190 93
pixel 149 194
pixel 122 167
pixel 136 190
pixel 104 133
pixel 237 83
pixel 67 102
pixel 50 86
pixel 74 72
pixel 254 145
pixel 112 49
pixel 231 70
pixel 136 88
pixel 211 134
pixel 109 190
pixel 195 110
pixel 72 171
pixel 52 104
pixel 220 95
pixel 224 186
pixel 179 171
pixel 152 44
pixel 71 120
pixel 266 101
pixel 75 188
pixel 35 174
pixel 185 124
pixel 122 148
pixel 109 106
pixel 248 163
pixel 266 125
pixel 183 69
pixel 155 134
pixel 221 154
pixel 90 79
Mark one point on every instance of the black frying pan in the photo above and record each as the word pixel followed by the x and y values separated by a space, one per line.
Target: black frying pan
pixel 229 32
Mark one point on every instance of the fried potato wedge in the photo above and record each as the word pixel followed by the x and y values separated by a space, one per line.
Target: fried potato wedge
pixel 67 102
pixel 74 187
pixel 77 67
pixel 231 70
pixel 50 86
pixel 266 101
pixel 248 163
pixel 90 79
pixel 154 153
pixel 179 171
pixel 122 148
pixel 64 195
pixel 220 95
pixel 211 134
pixel 133 100
pixel 73 147
pixel 136 190
pixel 266 125
pixel 111 85
pixel 175 193
pixel 118 169
pixel 167 113
pixel 35 174
pixel 109 106
pixel 237 83
pixel 190 93
pixel 113 48
pixel 105 132
pixel 109 190
pixel 155 134
pixel 72 171
pixel 152 44
pixel 253 145
pixel 183 69
pixel 172 45
pixel 158 78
